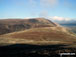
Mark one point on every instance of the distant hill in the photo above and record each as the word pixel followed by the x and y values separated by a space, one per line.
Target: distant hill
pixel 69 23
pixel 12 25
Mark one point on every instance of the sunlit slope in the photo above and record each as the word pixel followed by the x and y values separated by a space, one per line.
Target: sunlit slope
pixel 42 34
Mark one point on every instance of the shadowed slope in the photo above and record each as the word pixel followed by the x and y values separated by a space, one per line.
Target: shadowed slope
pixel 27 50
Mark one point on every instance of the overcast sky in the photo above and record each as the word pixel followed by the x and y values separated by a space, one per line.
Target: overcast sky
pixel 56 9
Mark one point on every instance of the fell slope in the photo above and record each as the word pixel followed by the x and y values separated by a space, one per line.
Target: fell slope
pixel 12 25
pixel 33 30
pixel 49 34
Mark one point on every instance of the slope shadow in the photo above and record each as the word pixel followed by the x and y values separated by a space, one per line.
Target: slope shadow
pixel 29 50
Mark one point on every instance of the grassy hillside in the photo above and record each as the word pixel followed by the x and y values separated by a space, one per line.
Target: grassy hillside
pixel 46 35
pixel 12 25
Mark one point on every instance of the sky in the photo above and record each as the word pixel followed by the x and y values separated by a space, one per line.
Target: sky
pixel 55 9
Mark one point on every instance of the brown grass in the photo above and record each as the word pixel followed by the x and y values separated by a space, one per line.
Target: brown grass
pixel 41 34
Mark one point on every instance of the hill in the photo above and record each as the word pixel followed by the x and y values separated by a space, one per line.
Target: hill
pixel 37 29
pixel 37 37
pixel 12 25
pixel 70 25
pixel 46 35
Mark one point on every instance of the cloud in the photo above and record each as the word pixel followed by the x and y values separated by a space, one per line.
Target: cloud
pixel 43 14
pixel 33 3
pixel 45 3
pixel 48 3
pixel 56 18
pixel 27 18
